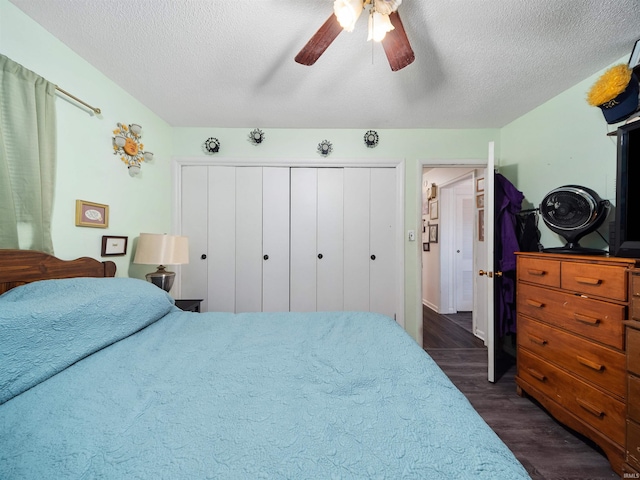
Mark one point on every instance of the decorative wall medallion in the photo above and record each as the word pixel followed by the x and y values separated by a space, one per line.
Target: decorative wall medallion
pixel 371 139
pixel 126 143
pixel 325 148
pixel 212 145
pixel 256 136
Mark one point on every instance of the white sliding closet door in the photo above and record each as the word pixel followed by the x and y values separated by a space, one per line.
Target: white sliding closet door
pixel 330 269
pixel 382 244
pixel 357 193
pixel 194 221
pixel 275 239
pixel 222 239
pixel 248 234
pixel 304 204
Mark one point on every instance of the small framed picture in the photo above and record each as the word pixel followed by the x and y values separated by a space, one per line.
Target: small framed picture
pixel 481 225
pixel 433 233
pixel 114 246
pixel 480 184
pixel 433 209
pixel 634 59
pixel 425 246
pixel 89 214
pixel 480 201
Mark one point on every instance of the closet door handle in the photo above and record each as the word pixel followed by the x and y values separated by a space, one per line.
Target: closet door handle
pixel 373 257
pixel 266 257
pixel 203 256
pixel 320 256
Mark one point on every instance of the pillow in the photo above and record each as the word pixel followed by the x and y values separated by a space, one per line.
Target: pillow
pixel 48 325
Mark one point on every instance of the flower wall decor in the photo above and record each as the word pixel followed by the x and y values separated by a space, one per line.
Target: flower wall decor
pixel 325 148
pixel 256 136
pixel 126 143
pixel 211 145
pixel 371 139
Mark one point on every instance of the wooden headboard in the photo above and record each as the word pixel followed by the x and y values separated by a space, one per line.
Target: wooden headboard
pixel 18 267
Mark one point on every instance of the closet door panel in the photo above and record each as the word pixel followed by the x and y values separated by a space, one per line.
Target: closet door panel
pixel 382 241
pixel 222 239
pixel 356 238
pixel 194 189
pixel 330 266
pixel 275 239
pixel 304 196
pixel 248 222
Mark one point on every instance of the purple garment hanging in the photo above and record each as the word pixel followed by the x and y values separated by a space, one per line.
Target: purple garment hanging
pixel 508 203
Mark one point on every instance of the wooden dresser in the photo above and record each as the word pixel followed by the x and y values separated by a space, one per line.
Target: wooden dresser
pixel 571 345
pixel 632 445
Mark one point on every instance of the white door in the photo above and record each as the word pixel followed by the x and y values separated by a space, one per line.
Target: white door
pixel 382 241
pixel 222 239
pixel 248 234
pixel 484 265
pixel 357 262
pixel 275 239
pixel 330 240
pixel 194 221
pixel 463 256
pixel 304 203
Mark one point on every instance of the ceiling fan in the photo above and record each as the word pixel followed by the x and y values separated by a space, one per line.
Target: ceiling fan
pixel 384 25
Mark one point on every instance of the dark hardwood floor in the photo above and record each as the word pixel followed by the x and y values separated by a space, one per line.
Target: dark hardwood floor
pixel 546 449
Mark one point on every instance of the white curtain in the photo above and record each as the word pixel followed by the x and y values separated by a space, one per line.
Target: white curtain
pixel 27 157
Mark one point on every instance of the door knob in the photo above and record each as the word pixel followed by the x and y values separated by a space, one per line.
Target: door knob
pixel 203 256
pixel 482 272
pixel 266 257
pixel 373 257
pixel 320 256
pixel 498 274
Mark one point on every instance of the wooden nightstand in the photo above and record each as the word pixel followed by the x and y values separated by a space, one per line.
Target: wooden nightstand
pixel 189 305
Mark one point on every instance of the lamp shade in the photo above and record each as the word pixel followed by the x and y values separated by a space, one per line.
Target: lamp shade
pixel 162 249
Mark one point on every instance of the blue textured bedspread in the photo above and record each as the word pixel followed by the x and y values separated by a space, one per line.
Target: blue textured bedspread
pixel 180 395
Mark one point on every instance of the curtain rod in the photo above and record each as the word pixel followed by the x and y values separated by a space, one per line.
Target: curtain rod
pixel 95 110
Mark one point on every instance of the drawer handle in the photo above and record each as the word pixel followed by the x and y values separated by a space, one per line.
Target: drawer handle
pixel 586 319
pixel 537 375
pixel 588 363
pixel 537 340
pixel 592 409
pixel 537 273
pixel 534 303
pixel 588 281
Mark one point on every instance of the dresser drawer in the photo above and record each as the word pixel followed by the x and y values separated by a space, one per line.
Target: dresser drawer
pixel 539 271
pixel 633 350
pixel 591 279
pixel 594 319
pixel 602 366
pixel 633 444
pixel 633 398
pixel 634 309
pixel 601 411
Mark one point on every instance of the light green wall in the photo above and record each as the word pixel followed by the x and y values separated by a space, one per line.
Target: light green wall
pixel 87 168
pixel 562 142
pixel 414 147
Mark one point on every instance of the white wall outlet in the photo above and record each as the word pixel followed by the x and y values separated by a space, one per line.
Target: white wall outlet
pixel 412 235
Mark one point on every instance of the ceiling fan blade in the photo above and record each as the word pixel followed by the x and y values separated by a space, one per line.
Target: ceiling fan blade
pixel 320 41
pixel 396 45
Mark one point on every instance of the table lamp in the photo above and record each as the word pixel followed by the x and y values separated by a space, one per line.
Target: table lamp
pixel 161 249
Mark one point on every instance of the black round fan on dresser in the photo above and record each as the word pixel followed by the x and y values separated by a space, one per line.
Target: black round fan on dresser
pixel 572 212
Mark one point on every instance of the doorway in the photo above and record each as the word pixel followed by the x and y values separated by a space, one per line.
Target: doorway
pixel 449 213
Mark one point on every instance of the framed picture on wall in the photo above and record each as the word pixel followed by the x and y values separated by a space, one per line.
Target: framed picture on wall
pixel 433 209
pixel 480 201
pixel 425 246
pixel 433 233
pixel 89 214
pixel 481 225
pixel 114 246
pixel 480 184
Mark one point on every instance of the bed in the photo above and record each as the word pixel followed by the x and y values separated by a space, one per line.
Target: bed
pixel 104 377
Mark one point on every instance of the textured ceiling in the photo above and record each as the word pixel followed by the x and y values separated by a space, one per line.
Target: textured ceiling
pixel 215 63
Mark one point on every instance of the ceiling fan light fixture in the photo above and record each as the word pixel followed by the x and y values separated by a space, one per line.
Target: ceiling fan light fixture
pixel 379 25
pixel 347 12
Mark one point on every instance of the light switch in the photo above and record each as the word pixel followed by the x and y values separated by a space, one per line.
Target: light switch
pixel 412 235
